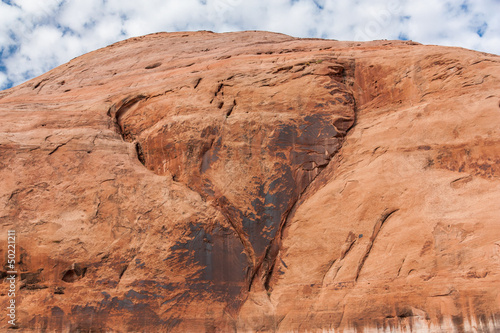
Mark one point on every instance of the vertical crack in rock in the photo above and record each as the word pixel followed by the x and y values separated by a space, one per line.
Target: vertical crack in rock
pixel 230 110
pixel 122 271
pixel 140 153
pixel 268 262
pixel 219 89
pixel 117 113
pixel 224 207
pixel 400 267
pixel 337 264
pixel 376 229
pixel 197 83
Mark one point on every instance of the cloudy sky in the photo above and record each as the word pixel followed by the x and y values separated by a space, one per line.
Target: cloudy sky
pixel 38 35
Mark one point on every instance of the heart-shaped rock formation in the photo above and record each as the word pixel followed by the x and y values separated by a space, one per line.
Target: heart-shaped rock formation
pixel 255 182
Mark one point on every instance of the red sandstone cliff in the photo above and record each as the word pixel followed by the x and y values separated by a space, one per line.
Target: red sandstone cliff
pixel 243 182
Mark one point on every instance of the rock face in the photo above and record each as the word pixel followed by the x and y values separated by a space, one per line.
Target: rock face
pixel 255 182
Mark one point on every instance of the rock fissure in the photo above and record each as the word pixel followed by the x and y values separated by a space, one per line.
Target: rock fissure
pixel 376 229
pixel 122 272
pixel 197 82
pixel 224 207
pixel 140 153
pixel 231 108
pixel 268 274
pixel 335 266
pixel 274 247
pixel 59 146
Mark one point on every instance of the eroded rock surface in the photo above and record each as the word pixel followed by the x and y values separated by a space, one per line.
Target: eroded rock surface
pixel 200 182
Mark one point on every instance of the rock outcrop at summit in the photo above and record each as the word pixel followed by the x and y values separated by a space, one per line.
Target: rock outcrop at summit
pixel 255 182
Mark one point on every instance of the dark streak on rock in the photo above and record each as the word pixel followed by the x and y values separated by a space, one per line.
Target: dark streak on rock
pixel 39 83
pixel 197 83
pixel 157 64
pixel 122 271
pixel 230 110
pixel 59 146
pixel 219 88
pixel 140 153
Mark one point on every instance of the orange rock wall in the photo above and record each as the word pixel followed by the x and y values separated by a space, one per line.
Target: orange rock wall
pixel 255 182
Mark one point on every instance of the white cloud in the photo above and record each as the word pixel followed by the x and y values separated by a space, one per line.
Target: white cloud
pixel 80 15
pixel 36 8
pixel 36 36
pixel 3 79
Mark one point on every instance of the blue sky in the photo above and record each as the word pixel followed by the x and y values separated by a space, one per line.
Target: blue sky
pixel 38 35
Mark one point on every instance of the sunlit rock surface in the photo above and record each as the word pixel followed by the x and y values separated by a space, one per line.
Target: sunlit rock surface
pixel 255 182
